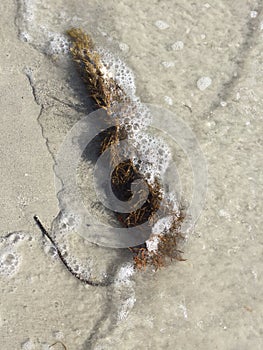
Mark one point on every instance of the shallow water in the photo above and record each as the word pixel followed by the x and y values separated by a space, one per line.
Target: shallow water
pixel 202 62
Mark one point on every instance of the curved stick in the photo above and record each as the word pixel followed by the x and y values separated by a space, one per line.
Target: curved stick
pixel 64 261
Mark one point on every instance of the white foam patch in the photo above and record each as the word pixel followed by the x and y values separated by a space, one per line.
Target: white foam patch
pixel 58 44
pixel 27 10
pixel 161 25
pixel 49 249
pixel 67 223
pixel 78 267
pixel 26 20
pixel 172 202
pixel 25 36
pixel 162 225
pixel 178 45
pixel 82 268
pixel 168 100
pixel 253 14
pixel 59 335
pixel 168 64
pixel 135 116
pixel 9 261
pixel 125 272
pixel 153 155
pixel 124 47
pixel 125 294
pixel 152 243
pixel 9 257
pixel 203 83
pixel 33 30
pixel 13 238
pixel 119 71
pixel 125 308
pixel 63 230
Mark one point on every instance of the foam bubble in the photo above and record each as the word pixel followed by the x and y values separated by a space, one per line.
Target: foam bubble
pixel 9 258
pixel 118 70
pixel 125 308
pixel 135 116
pixel 13 238
pixel 125 272
pixel 32 30
pixel 125 294
pixel 173 203
pixel 25 36
pixel 26 20
pixel 153 155
pixel 49 249
pixel 168 100
pixel 124 47
pixel 28 10
pixel 67 222
pixel 161 25
pixel 152 243
pixel 168 64
pixel 58 335
pixel 203 83
pixel 162 225
pixel 77 266
pixel 58 44
pixel 253 14
pixel 9 261
pixel 178 45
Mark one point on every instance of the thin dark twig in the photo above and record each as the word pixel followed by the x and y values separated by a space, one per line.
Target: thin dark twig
pixel 58 342
pixel 190 109
pixel 64 261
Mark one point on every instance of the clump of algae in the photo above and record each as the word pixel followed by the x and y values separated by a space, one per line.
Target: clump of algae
pixel 107 93
pixel 104 90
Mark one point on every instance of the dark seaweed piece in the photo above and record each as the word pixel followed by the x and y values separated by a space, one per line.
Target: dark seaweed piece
pixel 64 261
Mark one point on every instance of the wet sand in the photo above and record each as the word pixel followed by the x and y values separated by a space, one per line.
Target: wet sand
pixel 213 299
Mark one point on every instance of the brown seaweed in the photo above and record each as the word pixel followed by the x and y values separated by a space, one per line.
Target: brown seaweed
pixel 106 93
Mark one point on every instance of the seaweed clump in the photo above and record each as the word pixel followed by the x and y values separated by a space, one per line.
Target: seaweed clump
pixel 107 94
pixel 167 249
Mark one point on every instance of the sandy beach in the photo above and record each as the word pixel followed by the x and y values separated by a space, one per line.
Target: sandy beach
pixel 202 62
